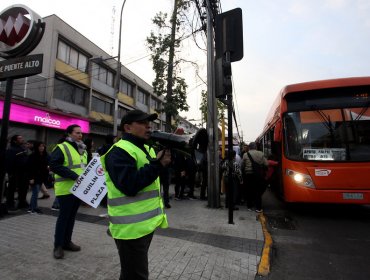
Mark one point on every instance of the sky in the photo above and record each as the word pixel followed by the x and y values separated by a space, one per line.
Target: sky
pixel 285 42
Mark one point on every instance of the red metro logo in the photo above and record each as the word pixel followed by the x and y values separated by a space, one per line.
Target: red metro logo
pixel 21 30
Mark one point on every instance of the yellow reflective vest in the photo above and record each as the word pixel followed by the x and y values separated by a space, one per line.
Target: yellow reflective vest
pixel 132 217
pixel 74 161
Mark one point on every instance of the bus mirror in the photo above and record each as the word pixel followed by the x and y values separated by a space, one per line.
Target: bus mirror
pixel 277 132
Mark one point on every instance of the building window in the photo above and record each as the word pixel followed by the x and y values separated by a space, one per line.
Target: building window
pixel 126 88
pixel 155 104
pixel 69 92
pixel 122 111
pixel 72 56
pixel 102 74
pixel 142 97
pixel 101 106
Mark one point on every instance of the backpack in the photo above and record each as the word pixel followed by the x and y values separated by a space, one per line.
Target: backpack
pixel 259 170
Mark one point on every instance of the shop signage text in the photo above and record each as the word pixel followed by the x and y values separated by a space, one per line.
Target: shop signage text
pixel 23 114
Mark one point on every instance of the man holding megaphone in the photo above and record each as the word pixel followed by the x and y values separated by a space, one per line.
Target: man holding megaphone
pixel 135 206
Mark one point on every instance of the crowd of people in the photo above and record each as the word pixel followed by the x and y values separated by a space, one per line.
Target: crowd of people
pixel 251 174
pixel 138 180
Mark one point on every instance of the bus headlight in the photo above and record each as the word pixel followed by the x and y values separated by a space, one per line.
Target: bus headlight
pixel 300 178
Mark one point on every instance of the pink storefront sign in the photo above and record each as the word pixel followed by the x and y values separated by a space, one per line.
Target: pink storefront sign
pixel 23 114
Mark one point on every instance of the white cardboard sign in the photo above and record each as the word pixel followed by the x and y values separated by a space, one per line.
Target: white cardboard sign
pixel 90 186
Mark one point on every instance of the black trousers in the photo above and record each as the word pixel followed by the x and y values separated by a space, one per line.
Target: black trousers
pixel 165 182
pixel 17 182
pixel 68 206
pixel 255 188
pixel 133 255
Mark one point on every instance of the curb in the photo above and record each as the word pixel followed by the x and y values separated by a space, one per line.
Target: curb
pixel 264 265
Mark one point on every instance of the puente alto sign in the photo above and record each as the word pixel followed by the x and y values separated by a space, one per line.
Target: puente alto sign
pixel 21 30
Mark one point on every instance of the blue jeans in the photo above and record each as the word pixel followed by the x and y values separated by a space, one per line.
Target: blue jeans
pixel 35 194
pixel 66 219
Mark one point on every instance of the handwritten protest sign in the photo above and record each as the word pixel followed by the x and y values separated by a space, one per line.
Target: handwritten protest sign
pixel 90 186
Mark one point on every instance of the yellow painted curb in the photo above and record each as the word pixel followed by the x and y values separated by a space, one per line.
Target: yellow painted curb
pixel 264 265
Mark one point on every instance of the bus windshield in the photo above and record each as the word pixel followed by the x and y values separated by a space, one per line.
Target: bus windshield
pixel 328 135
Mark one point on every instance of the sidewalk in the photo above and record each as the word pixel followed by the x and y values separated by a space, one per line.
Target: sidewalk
pixel 199 244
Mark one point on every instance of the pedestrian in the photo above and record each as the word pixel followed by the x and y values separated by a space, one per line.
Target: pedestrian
pixel 89 148
pixel 256 183
pixel 135 206
pixel 204 172
pixel 165 183
pixel 191 169
pixel 235 181
pixel 38 173
pixel 270 173
pixel 16 166
pixel 68 160
pixel 179 165
pixel 110 139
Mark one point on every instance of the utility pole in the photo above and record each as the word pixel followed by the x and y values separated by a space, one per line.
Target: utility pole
pixel 212 123
pixel 118 75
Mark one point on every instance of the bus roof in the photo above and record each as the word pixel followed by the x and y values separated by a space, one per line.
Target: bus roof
pixel 274 112
pixel 333 83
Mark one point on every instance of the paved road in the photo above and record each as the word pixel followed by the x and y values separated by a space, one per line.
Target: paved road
pixel 200 244
pixel 318 241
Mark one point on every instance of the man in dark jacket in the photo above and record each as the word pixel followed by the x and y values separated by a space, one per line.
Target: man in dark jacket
pixel 135 207
pixel 16 162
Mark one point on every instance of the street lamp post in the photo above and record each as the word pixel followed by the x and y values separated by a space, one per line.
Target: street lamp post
pixel 118 75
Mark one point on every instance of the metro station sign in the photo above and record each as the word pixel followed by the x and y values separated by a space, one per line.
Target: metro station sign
pixel 21 29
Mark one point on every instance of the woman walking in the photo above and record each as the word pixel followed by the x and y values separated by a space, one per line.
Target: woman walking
pixel 38 168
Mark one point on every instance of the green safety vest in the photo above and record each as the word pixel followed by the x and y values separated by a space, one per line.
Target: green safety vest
pixel 74 161
pixel 132 217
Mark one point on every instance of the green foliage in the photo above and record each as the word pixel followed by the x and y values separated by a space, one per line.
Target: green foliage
pixel 164 45
pixel 221 107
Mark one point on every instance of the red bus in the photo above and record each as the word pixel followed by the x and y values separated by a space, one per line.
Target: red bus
pixel 319 132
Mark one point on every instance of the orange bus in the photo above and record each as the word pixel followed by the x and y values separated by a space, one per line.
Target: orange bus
pixel 319 132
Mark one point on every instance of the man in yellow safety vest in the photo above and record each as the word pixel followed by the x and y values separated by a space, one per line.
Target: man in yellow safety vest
pixel 68 160
pixel 135 206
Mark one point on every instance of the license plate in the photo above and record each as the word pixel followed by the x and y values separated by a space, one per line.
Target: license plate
pixel 358 196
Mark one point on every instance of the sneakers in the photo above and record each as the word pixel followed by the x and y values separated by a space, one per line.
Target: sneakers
pixel 259 210
pixel 45 196
pixel 72 247
pixel 55 208
pixel 58 253
pixel 167 205
pixel 36 211
pixel 177 198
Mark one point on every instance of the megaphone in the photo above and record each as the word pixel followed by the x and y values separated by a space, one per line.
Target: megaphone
pixel 194 144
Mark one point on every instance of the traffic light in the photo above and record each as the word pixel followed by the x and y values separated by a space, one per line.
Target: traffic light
pixel 223 77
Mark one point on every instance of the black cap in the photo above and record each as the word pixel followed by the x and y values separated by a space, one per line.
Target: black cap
pixel 137 116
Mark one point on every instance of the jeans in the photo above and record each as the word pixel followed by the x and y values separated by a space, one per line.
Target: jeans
pixel 35 194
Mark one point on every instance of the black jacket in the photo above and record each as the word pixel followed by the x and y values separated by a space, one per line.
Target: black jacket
pixel 122 169
pixel 16 160
pixel 38 168
pixel 57 160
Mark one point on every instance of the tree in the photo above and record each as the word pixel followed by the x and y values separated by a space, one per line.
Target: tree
pixel 221 107
pixel 165 45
